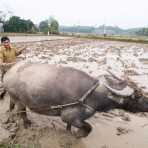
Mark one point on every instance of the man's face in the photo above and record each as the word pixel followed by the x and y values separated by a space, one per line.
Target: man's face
pixel 6 44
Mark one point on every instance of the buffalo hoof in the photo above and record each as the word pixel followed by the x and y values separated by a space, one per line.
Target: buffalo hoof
pixel 81 134
pixel 27 123
pixel 84 131
pixel 68 128
pixel 2 95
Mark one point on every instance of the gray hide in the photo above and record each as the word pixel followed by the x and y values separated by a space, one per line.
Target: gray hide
pixel 39 86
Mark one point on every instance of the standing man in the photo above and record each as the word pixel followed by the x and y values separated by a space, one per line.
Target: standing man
pixel 8 56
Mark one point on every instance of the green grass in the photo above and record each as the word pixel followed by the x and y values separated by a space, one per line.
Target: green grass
pixel 22 34
pixel 17 146
pixel 10 146
pixel 134 39
pixel 120 38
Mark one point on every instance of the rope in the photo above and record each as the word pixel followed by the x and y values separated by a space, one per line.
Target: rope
pixel 81 100
pixel 89 92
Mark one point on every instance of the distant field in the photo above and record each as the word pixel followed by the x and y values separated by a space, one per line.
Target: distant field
pixel 135 39
pixel 32 38
pixel 21 34
pixel 124 38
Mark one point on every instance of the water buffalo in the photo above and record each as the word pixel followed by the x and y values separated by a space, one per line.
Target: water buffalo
pixel 42 86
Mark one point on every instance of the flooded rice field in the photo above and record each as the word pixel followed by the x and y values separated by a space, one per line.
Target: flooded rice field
pixel 115 129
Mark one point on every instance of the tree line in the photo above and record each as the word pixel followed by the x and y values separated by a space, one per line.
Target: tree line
pixel 142 31
pixel 18 25
pixel 51 26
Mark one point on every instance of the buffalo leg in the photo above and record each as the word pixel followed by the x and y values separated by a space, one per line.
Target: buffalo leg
pixel 68 128
pixel 73 117
pixel 22 113
pixel 83 128
pixel 12 105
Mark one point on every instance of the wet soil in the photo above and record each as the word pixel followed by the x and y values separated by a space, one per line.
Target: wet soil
pixel 115 129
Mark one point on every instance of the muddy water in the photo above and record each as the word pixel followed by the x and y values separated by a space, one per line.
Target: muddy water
pixel 118 129
pixel 109 131
pixel 105 133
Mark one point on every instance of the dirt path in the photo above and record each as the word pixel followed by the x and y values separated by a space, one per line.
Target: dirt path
pixel 117 129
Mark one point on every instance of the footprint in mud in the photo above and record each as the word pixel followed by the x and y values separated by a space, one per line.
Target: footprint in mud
pixel 122 131
pixel 47 138
pixel 104 146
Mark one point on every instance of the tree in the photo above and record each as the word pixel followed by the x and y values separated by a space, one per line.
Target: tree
pixel 143 31
pixel 43 26
pixel 30 26
pixel 53 26
pixel 2 16
pixel 16 24
pixel 49 26
pixel 2 19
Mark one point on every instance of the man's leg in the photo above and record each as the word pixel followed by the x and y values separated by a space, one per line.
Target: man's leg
pixel 2 91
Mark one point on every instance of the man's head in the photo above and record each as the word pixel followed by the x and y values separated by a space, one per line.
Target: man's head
pixel 5 41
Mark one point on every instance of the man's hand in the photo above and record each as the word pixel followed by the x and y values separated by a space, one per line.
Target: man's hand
pixel 24 48
pixel 7 65
pixel 21 50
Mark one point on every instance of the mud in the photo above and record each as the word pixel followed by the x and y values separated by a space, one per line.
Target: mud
pixel 115 129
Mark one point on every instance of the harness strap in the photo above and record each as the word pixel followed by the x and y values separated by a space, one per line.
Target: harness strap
pixel 89 92
pixel 80 101
pixel 64 105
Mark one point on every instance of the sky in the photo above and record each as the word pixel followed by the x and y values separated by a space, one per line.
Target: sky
pixel 122 13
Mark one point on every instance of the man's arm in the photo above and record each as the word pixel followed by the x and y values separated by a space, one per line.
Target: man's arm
pixel 2 64
pixel 6 66
pixel 18 52
pixel 1 58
